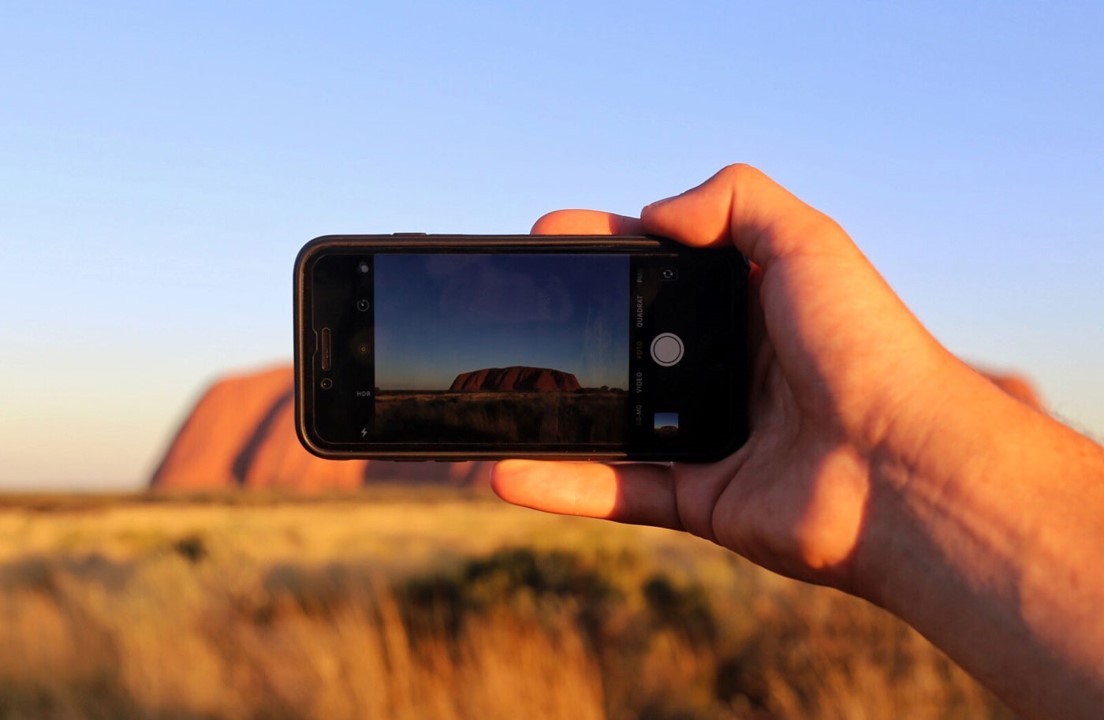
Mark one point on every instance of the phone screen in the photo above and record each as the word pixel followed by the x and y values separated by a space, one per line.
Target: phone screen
pixel 521 351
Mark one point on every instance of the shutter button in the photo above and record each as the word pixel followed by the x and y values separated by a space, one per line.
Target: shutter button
pixel 667 349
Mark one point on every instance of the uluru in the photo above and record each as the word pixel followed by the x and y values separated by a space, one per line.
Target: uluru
pixel 241 433
pixel 515 378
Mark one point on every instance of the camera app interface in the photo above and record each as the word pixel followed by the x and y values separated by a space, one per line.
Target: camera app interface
pixel 529 351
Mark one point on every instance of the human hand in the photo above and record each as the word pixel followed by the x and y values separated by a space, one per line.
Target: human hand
pixel 877 462
pixel 846 384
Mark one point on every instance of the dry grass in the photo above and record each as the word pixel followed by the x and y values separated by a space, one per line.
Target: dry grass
pixel 430 605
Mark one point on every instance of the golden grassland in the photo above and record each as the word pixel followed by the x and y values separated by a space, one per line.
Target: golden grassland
pixel 433 603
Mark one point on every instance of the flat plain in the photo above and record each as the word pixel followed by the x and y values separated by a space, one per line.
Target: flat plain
pixel 426 603
pixel 589 416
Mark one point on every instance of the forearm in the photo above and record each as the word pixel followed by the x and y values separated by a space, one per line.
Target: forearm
pixel 988 543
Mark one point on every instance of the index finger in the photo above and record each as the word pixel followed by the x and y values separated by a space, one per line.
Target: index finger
pixel 742 206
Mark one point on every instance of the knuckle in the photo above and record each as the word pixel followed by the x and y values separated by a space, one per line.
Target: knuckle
pixel 741 174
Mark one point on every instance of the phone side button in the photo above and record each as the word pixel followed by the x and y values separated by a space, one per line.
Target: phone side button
pixel 408 234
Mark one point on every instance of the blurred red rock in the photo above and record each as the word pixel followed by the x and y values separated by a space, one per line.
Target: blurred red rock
pixel 241 433
pixel 1017 386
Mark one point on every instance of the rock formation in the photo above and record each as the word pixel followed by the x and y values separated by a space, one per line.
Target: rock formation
pixel 241 433
pixel 515 378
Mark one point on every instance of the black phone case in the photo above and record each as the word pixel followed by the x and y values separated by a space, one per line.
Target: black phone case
pixel 420 242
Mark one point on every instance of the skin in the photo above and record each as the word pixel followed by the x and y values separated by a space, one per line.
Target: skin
pixel 879 463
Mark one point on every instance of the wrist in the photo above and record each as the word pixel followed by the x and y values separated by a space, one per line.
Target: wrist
pixel 981 540
pixel 944 468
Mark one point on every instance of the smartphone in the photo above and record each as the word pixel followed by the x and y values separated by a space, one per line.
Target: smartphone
pixel 463 347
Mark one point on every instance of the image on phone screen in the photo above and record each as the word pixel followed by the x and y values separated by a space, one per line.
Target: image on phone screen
pixel 501 347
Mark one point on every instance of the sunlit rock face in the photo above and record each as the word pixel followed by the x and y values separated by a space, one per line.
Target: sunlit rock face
pixel 241 433
pixel 515 378
pixel 1018 387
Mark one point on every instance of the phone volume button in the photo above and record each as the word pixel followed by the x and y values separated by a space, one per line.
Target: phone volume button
pixel 408 234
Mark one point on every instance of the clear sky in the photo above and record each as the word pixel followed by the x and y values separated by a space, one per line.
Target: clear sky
pixel 439 316
pixel 162 163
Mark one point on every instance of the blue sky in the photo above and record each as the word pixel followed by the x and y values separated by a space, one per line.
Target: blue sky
pixel 439 316
pixel 161 164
